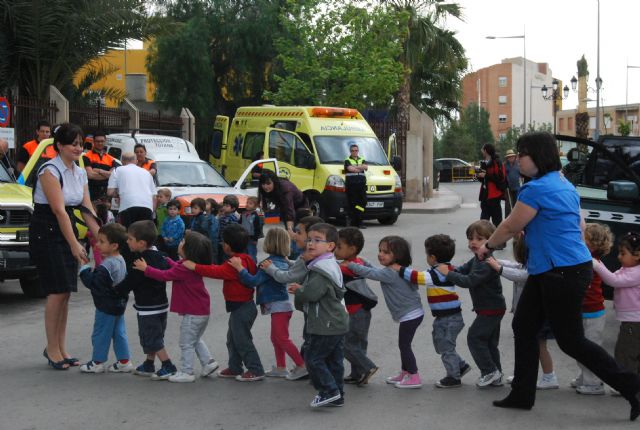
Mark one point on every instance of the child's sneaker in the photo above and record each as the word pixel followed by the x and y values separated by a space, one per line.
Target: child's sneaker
pixel 277 373
pixel 398 378
pixel 92 367
pixel 336 403
pixel 164 373
pixel 410 381
pixel 145 369
pixel 488 379
pixel 576 382
pixel 249 376
pixel 509 379
pixel 227 373
pixel 118 367
pixel 323 399
pixel 209 368
pixel 351 379
pixel 591 390
pixel 181 377
pixel 364 380
pixel 464 369
pixel 449 382
pixel 297 373
pixel 548 382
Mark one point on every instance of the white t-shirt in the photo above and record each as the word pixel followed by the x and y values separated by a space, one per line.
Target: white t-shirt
pixel 74 180
pixel 135 186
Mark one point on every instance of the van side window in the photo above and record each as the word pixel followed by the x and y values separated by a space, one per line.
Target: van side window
pixel 307 141
pixel 301 155
pixel 252 145
pixel 216 144
pixel 281 145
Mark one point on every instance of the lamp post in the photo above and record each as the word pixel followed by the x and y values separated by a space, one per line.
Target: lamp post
pixel 596 134
pixel 524 73
pixel 626 97
pixel 555 96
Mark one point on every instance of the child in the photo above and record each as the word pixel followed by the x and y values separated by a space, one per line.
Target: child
pixel 626 299
pixel 273 300
pixel 199 220
pixel 240 305
pixel 163 197
pixel 295 249
pixel 212 208
pixel 110 306
pixel 226 217
pixel 151 301
pixel 190 299
pixel 252 222
pixel 403 301
pixel 359 300
pixel 172 229
pixel 445 307
pixel 516 272
pixel 488 304
pixel 320 297
pixel 599 240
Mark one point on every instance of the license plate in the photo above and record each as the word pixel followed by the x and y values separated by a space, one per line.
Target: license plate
pixel 375 204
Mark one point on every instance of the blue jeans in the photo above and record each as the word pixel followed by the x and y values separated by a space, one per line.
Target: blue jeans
pixel 240 342
pixel 324 359
pixel 252 250
pixel 445 332
pixel 356 342
pixel 105 328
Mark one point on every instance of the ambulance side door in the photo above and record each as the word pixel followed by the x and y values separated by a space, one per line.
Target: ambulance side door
pixel 295 161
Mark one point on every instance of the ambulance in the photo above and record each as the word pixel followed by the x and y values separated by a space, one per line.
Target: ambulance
pixel 310 145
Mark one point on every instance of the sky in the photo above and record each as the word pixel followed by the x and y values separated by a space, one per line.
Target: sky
pixel 558 32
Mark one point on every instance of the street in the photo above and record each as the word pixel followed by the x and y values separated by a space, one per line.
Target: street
pixel 33 396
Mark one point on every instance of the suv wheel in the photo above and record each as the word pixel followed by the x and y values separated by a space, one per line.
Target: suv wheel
pixel 390 220
pixel 31 286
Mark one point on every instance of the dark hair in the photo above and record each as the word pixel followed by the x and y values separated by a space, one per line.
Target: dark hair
pixel 115 233
pixel 330 232
pixel 139 145
pixel 302 213
pixel 310 221
pixel 352 236
pixel 144 230
pixel 99 133
pixel 520 250
pixel 400 249
pixel 265 177
pixel 353 145
pixel 215 207
pixel 440 246
pixel 236 237
pixel 43 123
pixel 197 248
pixel 102 210
pixel 175 203
pixel 490 149
pixel 631 242
pixel 66 134
pixel 482 228
pixel 543 150
pixel 200 203
pixel 231 200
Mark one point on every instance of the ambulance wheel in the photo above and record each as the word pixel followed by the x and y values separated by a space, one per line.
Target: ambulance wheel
pixel 31 287
pixel 389 220
pixel 316 207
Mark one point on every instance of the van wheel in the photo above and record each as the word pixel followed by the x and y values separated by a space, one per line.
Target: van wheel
pixel 389 220
pixel 31 287
pixel 316 207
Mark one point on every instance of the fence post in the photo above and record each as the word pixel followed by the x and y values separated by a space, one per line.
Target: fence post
pixel 188 125
pixel 62 113
pixel 134 114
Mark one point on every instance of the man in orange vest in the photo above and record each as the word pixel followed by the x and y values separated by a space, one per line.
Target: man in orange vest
pixel 99 166
pixel 43 131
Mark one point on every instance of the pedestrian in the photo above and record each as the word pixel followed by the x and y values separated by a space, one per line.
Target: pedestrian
pixel 356 185
pixel 445 307
pixel 43 131
pixel 142 161
pixel 284 195
pixel 512 169
pixel 109 324
pixel 560 269
pixel 162 198
pixel 492 176
pixel 488 303
pixel 320 297
pixel 403 301
pixel 227 216
pixel 251 221
pixel 359 300
pixel 199 219
pixel 273 300
pixel 189 299
pixel 172 230
pixel 99 166
pixel 136 190
pixel 53 237
pixel 212 208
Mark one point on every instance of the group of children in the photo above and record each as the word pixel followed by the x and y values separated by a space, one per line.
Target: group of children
pixel 335 299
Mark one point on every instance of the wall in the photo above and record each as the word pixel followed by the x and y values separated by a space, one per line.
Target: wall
pixel 419 156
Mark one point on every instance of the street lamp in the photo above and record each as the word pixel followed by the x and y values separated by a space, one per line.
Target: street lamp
pixel 596 135
pixel 626 98
pixel 524 73
pixel 555 96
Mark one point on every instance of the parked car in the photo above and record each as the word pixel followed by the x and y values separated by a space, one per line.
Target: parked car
pixel 454 169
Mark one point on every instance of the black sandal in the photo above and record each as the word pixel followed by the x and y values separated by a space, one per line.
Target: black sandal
pixel 72 361
pixel 57 365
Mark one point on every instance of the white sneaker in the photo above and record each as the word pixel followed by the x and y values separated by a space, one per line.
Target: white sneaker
pixel 488 379
pixel 545 383
pixel 181 377
pixel 591 390
pixel 277 373
pixel 509 379
pixel 118 367
pixel 92 367
pixel 209 368
pixel 498 382
pixel 297 373
pixel 575 382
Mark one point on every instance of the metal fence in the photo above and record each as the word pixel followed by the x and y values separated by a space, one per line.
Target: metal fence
pixel 26 112
pixel 156 123
pixel 97 117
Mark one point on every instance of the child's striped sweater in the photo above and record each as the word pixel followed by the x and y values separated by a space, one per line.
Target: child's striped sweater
pixel 441 294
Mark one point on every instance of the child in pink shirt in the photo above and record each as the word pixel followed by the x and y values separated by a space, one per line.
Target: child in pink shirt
pixel 190 299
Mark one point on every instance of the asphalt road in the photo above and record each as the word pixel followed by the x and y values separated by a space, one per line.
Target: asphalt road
pixel 33 396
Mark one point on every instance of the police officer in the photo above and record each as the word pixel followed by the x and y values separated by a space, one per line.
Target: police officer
pixel 356 185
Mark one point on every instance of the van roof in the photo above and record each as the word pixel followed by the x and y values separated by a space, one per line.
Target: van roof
pixel 297 112
pixel 159 147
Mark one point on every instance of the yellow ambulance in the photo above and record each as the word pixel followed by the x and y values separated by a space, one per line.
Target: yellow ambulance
pixel 310 144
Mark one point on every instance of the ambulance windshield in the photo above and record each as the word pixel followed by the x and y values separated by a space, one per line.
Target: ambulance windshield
pixel 335 149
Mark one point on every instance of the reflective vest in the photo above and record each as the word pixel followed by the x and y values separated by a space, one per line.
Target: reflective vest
pixel 147 164
pixel 31 146
pixel 99 161
pixel 352 162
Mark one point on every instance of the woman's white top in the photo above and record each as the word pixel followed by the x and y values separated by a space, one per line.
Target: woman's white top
pixel 74 180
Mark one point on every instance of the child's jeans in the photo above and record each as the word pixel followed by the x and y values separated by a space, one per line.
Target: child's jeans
pixel 445 332
pixel 405 336
pixel 281 342
pixel 627 349
pixel 252 250
pixel 593 330
pixel 483 338
pixel 105 328
pixel 192 328
pixel 240 342
pixel 324 357
pixel 356 343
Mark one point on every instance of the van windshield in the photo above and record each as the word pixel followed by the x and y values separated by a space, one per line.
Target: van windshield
pixel 335 149
pixel 186 174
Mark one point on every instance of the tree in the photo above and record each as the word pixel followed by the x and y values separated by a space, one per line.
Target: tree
pixel 464 138
pixel 513 134
pixel 624 128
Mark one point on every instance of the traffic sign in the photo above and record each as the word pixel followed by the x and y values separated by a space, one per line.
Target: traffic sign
pixel 5 112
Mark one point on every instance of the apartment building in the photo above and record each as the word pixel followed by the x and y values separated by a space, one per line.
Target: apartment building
pixel 610 117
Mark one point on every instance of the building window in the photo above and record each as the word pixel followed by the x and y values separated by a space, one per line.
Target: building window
pixel 502 136
pixel 502 81
pixel 561 123
pixel 502 100
pixel 502 118
pixel 570 123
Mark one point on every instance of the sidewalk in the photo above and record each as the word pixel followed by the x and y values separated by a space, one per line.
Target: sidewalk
pixel 443 201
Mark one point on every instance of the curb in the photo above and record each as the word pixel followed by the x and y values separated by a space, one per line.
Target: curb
pixel 452 207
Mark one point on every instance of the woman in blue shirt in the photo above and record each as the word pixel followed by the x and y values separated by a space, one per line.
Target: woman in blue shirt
pixel 559 264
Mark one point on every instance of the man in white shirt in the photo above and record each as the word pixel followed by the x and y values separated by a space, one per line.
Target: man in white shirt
pixel 134 185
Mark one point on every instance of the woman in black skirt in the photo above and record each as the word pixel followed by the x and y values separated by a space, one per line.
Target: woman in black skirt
pixel 61 186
